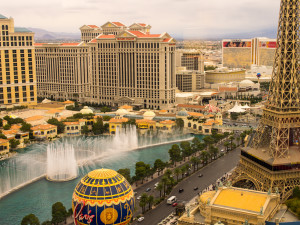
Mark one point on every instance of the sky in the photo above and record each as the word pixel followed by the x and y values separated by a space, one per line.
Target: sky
pixel 186 19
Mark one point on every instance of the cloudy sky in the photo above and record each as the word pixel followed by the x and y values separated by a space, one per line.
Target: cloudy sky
pixel 181 18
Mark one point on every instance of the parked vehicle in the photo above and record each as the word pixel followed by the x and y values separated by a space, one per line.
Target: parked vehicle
pixel 174 204
pixel 181 190
pixel 195 188
pixel 148 189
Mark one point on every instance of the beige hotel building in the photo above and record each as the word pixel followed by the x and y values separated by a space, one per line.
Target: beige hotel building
pixel 17 65
pixel 121 65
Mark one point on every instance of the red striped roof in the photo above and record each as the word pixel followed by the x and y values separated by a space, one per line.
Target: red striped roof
pixel 118 24
pixel 92 26
pixel 143 35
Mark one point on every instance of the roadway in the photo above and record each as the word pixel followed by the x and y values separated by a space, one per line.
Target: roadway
pixel 211 173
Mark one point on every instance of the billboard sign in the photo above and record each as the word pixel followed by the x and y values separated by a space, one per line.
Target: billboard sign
pixel 237 44
pixel 267 44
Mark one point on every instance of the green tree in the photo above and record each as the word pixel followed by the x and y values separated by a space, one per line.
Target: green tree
pixel 195 144
pixel 143 202
pixel 26 127
pixel 208 141
pixel 183 170
pixel 1 122
pixel 14 143
pixel 141 170
pixel 7 126
pixel 59 213
pixel 243 136
pixel 209 67
pixel 125 173
pixel 159 165
pixel 2 136
pixel 106 118
pixel 194 161
pixel 204 156
pixel 47 222
pixel 174 154
pixel 177 171
pixel 105 109
pixel 179 123
pixel 60 125
pixel 30 219
pixel 98 127
pixel 213 151
pixel 238 139
pixel 186 149
pixel 159 187
pixel 231 138
pixel 150 201
pixel 85 130
pixel 226 145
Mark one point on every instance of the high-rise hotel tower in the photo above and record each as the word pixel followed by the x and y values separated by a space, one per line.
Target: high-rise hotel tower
pixel 17 64
pixel 127 65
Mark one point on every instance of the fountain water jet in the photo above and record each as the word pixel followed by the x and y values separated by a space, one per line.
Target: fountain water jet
pixel 61 162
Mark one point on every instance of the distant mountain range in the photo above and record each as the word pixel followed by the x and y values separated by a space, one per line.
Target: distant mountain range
pixel 41 34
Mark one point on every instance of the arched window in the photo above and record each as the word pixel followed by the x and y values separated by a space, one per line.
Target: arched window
pixel 194 126
pixel 189 125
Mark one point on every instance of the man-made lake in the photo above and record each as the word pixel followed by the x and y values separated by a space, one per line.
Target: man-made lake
pixel 120 151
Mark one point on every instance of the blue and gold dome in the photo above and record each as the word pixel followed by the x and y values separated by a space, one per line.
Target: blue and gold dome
pixel 103 197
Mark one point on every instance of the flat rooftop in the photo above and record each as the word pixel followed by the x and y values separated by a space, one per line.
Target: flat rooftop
pixel 241 199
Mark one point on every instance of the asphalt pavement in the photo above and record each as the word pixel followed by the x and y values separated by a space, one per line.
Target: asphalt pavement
pixel 211 173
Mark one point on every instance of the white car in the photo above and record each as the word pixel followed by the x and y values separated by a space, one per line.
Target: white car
pixel 141 219
pixel 139 197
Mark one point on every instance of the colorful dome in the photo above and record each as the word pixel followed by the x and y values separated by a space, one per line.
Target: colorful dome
pixel 103 197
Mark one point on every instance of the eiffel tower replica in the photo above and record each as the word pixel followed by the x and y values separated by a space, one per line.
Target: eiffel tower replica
pixel 271 157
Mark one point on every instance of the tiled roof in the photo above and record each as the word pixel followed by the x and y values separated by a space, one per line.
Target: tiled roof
pixel 167 39
pixel 195 114
pixel 22 30
pixel 8 132
pixel 43 127
pixel 118 24
pixel 71 123
pixel 33 118
pixel 92 26
pixel 113 120
pixel 191 106
pixel 142 24
pixel 39 44
pixel 209 123
pixel 167 122
pixel 94 41
pixel 15 127
pixel 143 35
pixel 3 141
pixel 126 107
pixel 106 36
pixel 228 89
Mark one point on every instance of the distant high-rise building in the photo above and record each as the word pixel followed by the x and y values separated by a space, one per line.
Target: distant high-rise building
pixel 190 58
pixel 17 64
pixel 63 70
pixel 189 80
pixel 246 52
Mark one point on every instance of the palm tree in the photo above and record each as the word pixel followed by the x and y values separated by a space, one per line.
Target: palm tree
pixel 231 138
pixel 187 167
pixel 177 171
pixel 159 188
pixel 183 169
pixel 194 162
pixel 168 173
pixel 143 201
pixel 238 140
pixel 164 181
pixel 204 157
pixel 226 145
pixel 150 200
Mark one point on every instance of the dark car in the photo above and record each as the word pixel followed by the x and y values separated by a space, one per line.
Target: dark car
pixel 195 188
pixel 181 190
pixel 200 175
pixel 148 189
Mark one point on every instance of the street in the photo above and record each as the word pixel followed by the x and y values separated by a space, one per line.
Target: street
pixel 211 173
